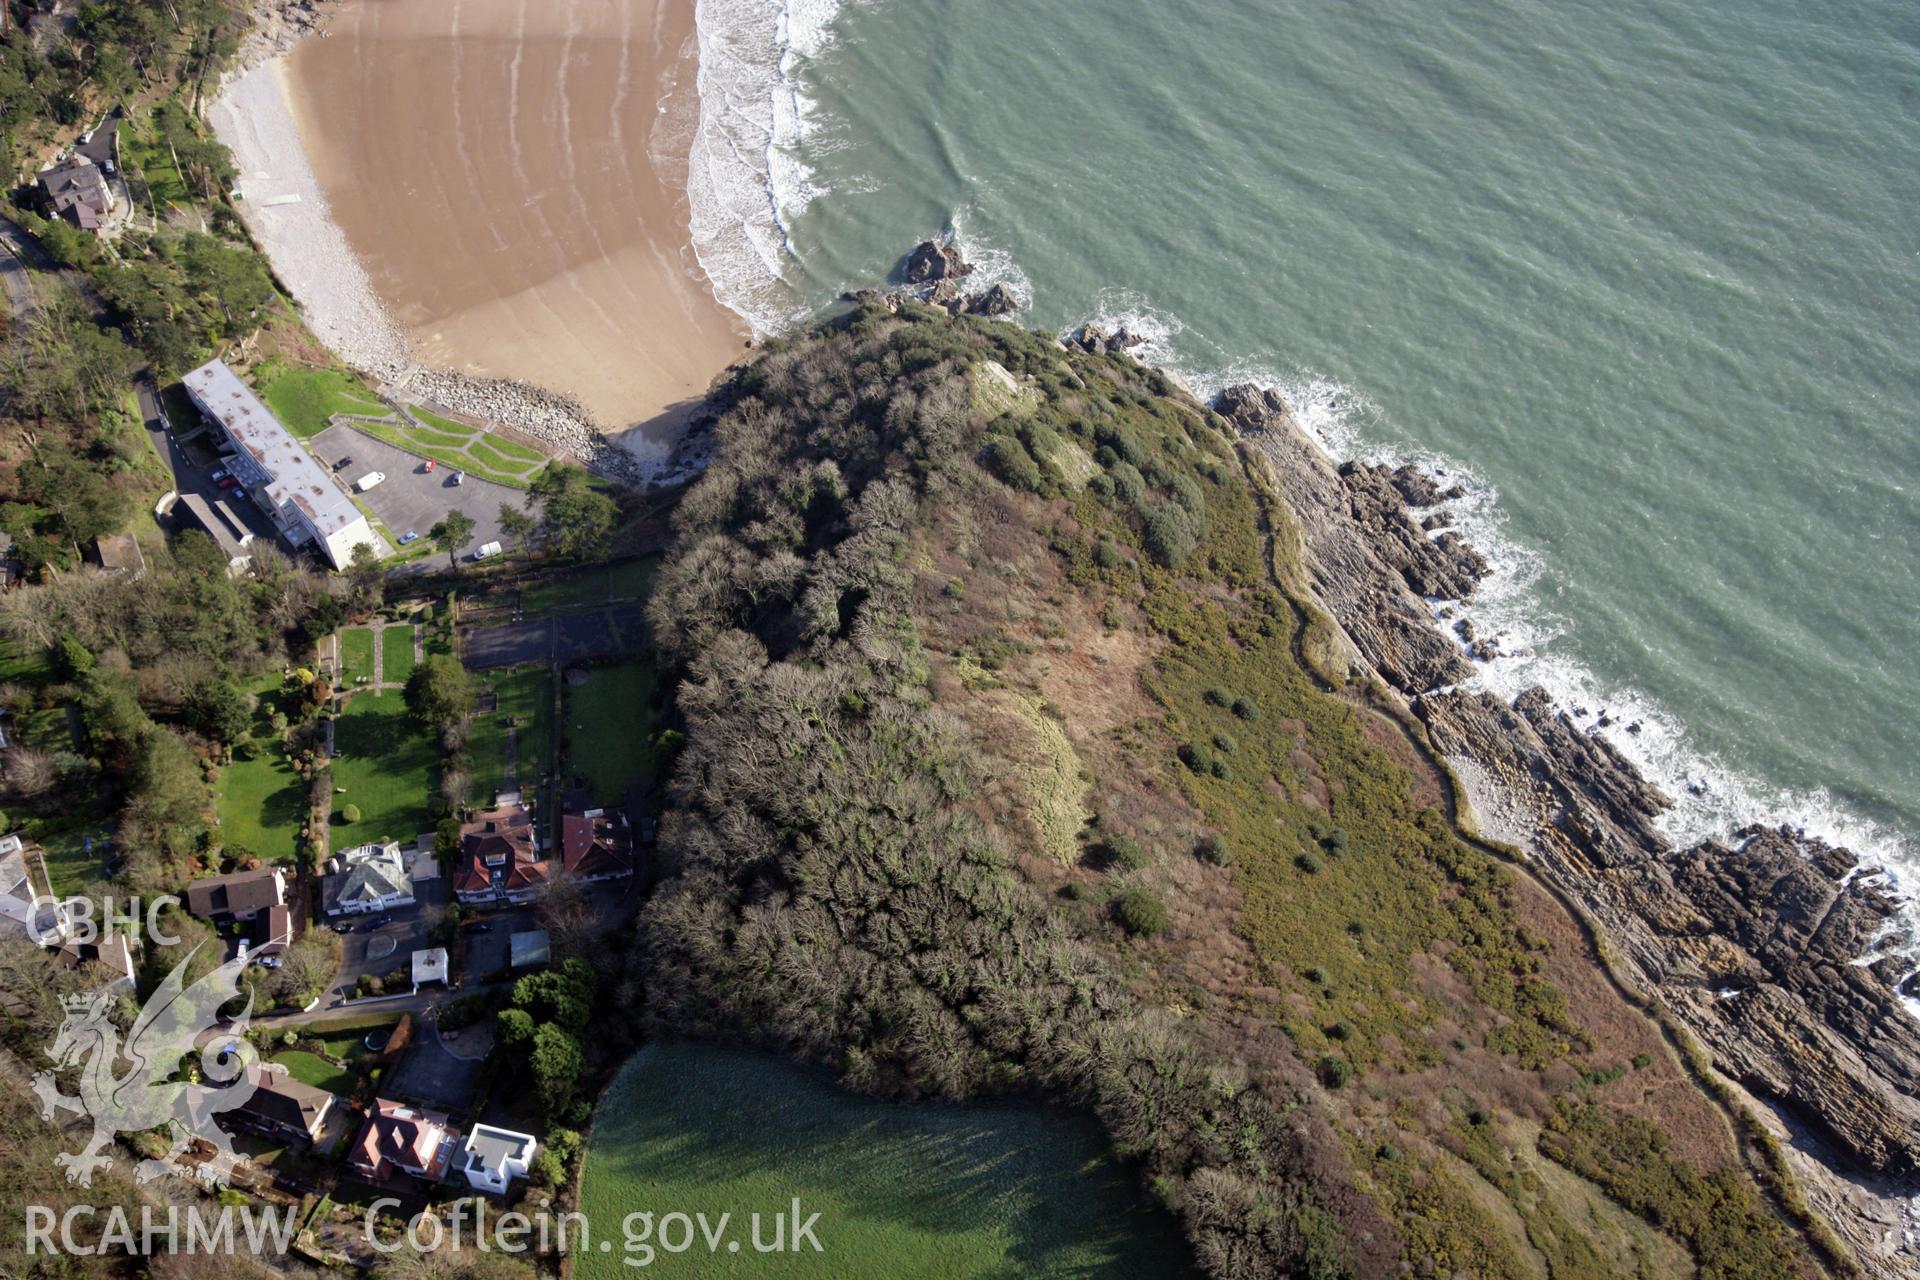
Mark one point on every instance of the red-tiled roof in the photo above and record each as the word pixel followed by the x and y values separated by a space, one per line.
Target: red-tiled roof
pixel 595 845
pixel 403 1136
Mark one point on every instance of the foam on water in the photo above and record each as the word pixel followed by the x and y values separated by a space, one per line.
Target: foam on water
pixel 746 179
pixel 1711 798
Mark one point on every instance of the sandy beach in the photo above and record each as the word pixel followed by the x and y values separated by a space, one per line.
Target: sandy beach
pixel 493 187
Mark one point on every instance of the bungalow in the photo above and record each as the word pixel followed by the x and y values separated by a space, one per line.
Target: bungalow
pixel 399 1139
pixel 27 904
pixel 240 895
pixel 284 1108
pixel 373 877
pixel 499 859
pixel 495 1157
pixel 596 845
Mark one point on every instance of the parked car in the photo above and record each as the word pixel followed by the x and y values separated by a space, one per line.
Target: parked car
pixel 217 474
pixel 490 549
pixel 480 926
pixel 409 537
pixel 344 463
pixel 429 467
pixel 459 478
pixel 368 480
pixel 267 962
pixel 346 926
pixel 230 482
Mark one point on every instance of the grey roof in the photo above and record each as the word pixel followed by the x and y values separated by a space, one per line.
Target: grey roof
pixel 367 874
pixel 491 1148
pixel 227 530
pixel 294 477
pixel 527 949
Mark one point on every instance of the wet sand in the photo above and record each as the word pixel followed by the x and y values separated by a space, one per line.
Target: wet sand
pixel 510 173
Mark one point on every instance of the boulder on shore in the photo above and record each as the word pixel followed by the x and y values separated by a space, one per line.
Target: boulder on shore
pixel 997 301
pixel 932 260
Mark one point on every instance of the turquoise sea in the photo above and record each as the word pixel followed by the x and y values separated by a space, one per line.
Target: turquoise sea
pixel 1645 271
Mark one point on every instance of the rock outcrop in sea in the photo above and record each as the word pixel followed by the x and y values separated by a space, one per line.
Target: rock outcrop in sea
pixel 933 273
pixel 1775 950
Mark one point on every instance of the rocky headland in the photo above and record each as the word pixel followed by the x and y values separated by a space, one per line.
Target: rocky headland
pixel 1776 951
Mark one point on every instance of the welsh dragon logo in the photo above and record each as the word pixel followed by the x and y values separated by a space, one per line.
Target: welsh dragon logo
pixel 176 1022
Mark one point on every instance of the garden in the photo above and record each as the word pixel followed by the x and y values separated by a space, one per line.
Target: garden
pixel 382 772
pixel 609 728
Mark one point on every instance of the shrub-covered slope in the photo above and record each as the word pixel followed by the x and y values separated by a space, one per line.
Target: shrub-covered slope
pixel 1003 772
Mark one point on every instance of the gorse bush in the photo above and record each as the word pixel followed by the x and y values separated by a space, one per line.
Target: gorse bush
pixel 1140 913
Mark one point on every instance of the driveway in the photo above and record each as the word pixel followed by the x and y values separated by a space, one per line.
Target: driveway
pixel 432 1077
pixel 412 497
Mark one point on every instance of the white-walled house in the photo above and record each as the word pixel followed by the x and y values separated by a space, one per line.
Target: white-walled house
pixel 372 877
pixel 495 1157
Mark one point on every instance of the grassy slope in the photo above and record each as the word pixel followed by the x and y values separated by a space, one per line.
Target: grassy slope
pixel 306 399
pixel 1354 931
pixel 385 764
pixel 902 1190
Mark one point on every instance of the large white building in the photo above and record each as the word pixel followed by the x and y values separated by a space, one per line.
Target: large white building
pixel 305 501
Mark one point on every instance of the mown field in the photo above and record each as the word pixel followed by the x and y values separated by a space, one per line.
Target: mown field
pixel 901 1190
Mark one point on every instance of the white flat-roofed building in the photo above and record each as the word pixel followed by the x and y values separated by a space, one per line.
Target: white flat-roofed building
pixel 495 1157
pixel 301 495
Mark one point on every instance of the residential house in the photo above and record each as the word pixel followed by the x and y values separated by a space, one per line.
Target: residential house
pixel 596 845
pixel 303 497
pixel 26 899
pixel 373 877
pixel 109 958
pixel 275 932
pixel 499 858
pixel 495 1157
pixel 399 1139
pixel 76 189
pixel 240 895
pixel 284 1108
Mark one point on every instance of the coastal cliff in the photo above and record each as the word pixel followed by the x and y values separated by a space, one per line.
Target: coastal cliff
pixel 1765 949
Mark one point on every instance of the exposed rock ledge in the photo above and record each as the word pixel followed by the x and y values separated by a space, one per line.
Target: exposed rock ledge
pixel 1756 947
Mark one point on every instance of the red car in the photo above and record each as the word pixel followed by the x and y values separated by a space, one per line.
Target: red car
pixel 429 466
pixel 229 482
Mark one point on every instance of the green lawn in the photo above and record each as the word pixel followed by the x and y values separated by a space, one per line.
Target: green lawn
pixel 262 801
pixel 356 655
pixel 526 695
pixel 22 663
pixel 901 1190
pixel 585 589
pixel 453 444
pixel 608 729
pixel 385 763
pixel 71 864
pixel 633 579
pixel 396 654
pixel 305 399
pixel 312 1069
pixel 347 1040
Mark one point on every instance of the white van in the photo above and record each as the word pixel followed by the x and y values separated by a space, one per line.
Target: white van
pixel 490 549
pixel 368 480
